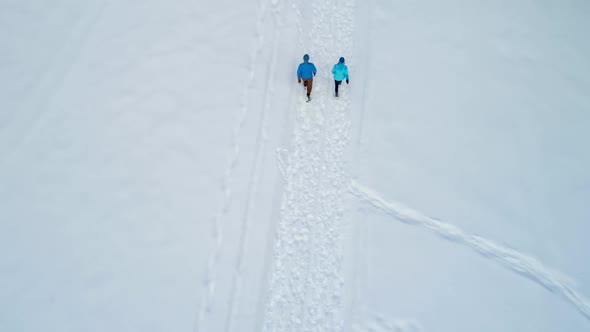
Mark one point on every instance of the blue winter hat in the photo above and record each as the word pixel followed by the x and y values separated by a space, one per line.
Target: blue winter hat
pixel 306 57
pixel 341 59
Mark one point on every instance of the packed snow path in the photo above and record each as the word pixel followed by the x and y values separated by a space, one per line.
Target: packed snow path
pixel 306 283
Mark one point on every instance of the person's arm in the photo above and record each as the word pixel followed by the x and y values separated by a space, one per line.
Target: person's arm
pixel 299 74
pixel 314 70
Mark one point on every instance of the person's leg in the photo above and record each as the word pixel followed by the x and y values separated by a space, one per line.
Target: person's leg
pixel 309 86
pixel 336 84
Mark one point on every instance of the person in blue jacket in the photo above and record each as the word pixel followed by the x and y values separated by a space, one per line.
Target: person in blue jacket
pixel 306 72
pixel 340 72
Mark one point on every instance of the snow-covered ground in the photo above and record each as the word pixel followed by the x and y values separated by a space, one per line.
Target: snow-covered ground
pixel 161 171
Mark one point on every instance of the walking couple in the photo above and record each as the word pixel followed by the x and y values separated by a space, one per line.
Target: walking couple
pixel 307 71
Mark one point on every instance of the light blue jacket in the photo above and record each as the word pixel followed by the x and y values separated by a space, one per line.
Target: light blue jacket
pixel 340 72
pixel 306 70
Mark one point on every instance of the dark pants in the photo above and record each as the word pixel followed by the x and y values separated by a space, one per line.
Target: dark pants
pixel 337 85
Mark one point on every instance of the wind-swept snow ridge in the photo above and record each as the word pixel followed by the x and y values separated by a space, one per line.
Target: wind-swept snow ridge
pixel 511 259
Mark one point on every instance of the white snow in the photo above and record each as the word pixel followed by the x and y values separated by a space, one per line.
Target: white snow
pixel 161 171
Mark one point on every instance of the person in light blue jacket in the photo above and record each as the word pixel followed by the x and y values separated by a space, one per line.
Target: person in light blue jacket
pixel 340 72
pixel 306 71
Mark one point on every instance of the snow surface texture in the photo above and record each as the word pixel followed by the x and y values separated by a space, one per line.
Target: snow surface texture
pixel 160 169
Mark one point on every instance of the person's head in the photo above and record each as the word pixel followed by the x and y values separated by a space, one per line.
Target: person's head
pixel 306 57
pixel 341 60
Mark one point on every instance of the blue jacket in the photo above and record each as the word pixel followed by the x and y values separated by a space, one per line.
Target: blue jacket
pixel 306 70
pixel 340 72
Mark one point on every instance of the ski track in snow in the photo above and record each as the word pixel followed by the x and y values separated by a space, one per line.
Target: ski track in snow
pixel 511 259
pixel 209 283
pixel 306 281
pixel 254 178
